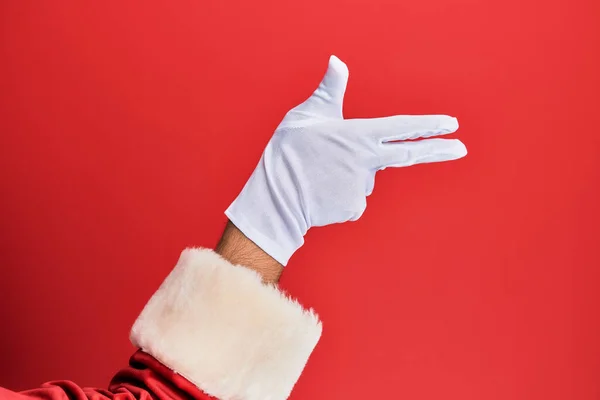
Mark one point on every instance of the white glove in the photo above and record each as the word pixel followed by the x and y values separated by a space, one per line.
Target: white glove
pixel 318 167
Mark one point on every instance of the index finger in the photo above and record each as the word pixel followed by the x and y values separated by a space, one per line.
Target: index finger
pixel 404 127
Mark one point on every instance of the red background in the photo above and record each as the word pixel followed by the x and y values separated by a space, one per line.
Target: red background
pixel 127 130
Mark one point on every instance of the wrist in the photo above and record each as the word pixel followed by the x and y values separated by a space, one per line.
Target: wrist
pixel 238 249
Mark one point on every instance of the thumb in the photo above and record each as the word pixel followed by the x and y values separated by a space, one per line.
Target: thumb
pixel 328 99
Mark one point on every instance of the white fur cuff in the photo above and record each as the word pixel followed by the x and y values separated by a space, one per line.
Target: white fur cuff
pixel 219 326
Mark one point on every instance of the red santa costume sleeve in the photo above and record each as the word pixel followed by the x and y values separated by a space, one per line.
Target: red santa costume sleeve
pixel 212 330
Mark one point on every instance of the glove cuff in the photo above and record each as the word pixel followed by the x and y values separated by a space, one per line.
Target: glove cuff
pixel 278 246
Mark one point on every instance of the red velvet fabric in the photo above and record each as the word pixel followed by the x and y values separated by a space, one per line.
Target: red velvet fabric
pixel 145 379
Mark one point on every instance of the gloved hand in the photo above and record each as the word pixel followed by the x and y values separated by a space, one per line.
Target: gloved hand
pixel 318 167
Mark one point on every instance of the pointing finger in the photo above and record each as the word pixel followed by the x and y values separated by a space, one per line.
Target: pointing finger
pixel 403 127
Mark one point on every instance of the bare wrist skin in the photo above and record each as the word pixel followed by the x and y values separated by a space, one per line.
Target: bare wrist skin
pixel 236 248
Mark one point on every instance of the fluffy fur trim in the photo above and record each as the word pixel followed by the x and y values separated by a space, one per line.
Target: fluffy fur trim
pixel 220 327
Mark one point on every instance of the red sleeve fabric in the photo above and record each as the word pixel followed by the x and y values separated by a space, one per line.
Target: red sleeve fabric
pixel 144 379
pixel 147 375
pixel 211 329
